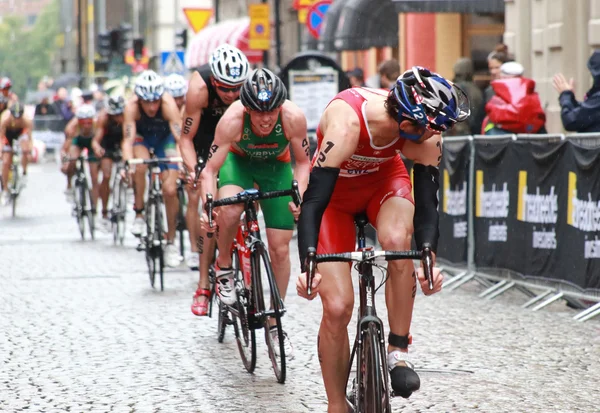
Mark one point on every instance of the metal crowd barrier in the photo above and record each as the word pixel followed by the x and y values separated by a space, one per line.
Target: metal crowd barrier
pixel 497 281
pixel 50 130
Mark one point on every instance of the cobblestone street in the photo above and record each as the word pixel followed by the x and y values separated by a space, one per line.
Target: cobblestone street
pixel 81 330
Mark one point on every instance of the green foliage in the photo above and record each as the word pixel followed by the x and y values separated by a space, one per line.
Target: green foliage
pixel 27 53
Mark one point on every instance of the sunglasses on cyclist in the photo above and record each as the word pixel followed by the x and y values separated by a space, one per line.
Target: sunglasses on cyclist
pixel 226 88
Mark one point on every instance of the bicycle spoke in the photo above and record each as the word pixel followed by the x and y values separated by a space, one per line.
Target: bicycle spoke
pixel 245 337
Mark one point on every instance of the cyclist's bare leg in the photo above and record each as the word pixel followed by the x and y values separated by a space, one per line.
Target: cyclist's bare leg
pixel 206 249
pixel 139 179
pixel 94 168
pixel 191 217
pixel 26 146
pixel 228 220
pixel 337 296
pixel 169 190
pixel 394 231
pixel 6 164
pixel 106 167
pixel 279 252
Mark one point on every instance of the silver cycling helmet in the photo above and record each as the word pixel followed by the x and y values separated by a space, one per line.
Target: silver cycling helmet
pixel 114 106
pixel 85 112
pixel 176 85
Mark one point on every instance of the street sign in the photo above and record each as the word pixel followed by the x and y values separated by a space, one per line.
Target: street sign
pixel 197 18
pixel 172 62
pixel 302 6
pixel 259 37
pixel 315 17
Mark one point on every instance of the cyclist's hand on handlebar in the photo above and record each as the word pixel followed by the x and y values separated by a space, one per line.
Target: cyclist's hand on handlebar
pixel 438 279
pixel 301 286
pixel 98 150
pixel 204 222
pixel 295 210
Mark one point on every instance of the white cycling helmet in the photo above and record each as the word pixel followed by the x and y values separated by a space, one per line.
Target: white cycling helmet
pixel 149 86
pixel 85 112
pixel 229 65
pixel 176 85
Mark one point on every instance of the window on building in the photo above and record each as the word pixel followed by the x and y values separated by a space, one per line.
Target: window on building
pixel 31 18
pixel 482 32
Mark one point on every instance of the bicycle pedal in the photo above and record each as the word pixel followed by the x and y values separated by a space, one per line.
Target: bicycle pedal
pixel 140 247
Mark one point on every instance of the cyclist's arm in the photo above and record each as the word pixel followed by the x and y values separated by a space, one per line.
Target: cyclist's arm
pixel 100 125
pixel 228 131
pixel 3 123
pixel 28 128
pixel 341 131
pixel 172 114
pixel 70 131
pixel 129 129
pixel 426 177
pixel 294 125
pixel 196 100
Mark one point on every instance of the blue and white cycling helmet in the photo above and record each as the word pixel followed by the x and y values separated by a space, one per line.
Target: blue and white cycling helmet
pixel 114 105
pixel 430 100
pixel 176 85
pixel 229 65
pixel 149 86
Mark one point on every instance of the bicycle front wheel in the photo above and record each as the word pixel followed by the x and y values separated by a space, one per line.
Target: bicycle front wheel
pixel 149 242
pixel 372 387
pixel 274 336
pixel 14 189
pixel 80 207
pixel 158 243
pixel 244 335
pixel 121 211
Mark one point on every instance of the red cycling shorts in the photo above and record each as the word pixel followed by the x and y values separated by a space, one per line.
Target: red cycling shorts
pixel 356 195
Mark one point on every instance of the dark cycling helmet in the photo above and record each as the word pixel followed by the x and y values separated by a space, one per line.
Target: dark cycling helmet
pixel 114 106
pixel 263 91
pixel 17 110
pixel 430 100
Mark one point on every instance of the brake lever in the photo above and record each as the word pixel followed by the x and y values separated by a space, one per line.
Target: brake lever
pixel 296 196
pixel 427 262
pixel 209 211
pixel 311 266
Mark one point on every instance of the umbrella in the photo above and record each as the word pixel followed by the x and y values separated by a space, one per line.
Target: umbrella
pixel 66 80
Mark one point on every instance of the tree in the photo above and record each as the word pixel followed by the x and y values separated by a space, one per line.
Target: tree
pixel 26 54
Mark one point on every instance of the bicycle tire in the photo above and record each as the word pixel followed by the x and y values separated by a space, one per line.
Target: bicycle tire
pixel 89 213
pixel 80 207
pixel 122 212
pixel 14 189
pixel 149 243
pixel 278 362
pixel 372 395
pixel 160 251
pixel 114 211
pixel 181 224
pixel 221 322
pixel 244 335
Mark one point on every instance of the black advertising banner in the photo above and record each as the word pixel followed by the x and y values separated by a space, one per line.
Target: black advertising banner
pixel 578 228
pixel 539 168
pixel 495 204
pixel 454 173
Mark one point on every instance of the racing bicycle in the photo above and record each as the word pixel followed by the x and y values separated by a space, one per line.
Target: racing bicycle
pixel 250 263
pixel 370 389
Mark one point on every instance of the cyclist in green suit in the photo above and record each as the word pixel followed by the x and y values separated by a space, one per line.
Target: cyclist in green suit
pixel 252 149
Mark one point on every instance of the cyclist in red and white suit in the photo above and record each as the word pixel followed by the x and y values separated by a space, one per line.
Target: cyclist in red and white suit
pixel 357 169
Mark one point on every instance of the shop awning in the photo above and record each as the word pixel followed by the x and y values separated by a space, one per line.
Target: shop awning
pixel 234 32
pixel 329 26
pixel 367 23
pixel 449 6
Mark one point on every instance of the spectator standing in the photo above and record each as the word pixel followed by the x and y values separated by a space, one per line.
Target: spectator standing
pixel 356 77
pixel 463 77
pixel 580 116
pixel 495 60
pixel 515 106
pixel 45 107
pixel 389 70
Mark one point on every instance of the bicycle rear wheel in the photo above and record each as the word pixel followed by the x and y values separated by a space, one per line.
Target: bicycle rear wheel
pixel 244 335
pixel 373 394
pixel 261 264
